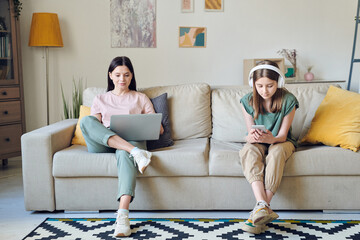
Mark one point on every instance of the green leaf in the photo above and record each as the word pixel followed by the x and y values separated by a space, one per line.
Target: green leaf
pixel 65 104
pixel 73 111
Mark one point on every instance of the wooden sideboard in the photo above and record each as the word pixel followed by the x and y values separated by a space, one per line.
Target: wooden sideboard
pixel 12 114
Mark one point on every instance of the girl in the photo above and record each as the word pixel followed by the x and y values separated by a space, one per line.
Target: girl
pixel 121 98
pixel 265 153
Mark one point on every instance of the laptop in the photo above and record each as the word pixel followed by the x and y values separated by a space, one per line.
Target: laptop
pixel 136 127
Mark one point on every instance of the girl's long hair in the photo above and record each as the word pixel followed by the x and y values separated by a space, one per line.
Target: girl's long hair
pixel 256 100
pixel 121 61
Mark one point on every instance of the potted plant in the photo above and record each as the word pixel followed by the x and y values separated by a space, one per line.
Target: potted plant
pixel 290 55
pixel 72 109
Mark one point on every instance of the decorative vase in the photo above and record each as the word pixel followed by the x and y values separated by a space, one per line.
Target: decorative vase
pixel 309 76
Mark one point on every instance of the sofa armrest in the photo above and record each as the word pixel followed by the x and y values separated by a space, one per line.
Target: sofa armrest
pixel 37 149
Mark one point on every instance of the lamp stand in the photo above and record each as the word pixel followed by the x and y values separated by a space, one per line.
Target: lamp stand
pixel 47 84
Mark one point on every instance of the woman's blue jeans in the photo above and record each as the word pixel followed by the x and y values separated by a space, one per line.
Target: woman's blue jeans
pixel 96 137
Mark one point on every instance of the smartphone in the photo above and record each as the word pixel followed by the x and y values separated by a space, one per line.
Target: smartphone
pixel 260 127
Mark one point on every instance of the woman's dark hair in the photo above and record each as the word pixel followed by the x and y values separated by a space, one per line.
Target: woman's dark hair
pixel 121 61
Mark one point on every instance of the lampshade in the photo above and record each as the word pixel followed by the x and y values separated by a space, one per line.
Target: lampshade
pixel 45 30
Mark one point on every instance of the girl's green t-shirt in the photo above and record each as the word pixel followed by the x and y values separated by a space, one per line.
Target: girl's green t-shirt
pixel 272 121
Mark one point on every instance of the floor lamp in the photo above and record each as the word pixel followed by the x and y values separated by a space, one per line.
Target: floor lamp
pixel 45 32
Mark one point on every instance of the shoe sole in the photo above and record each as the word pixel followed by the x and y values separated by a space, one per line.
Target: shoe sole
pixel 263 220
pixel 144 168
pixel 122 235
pixel 253 230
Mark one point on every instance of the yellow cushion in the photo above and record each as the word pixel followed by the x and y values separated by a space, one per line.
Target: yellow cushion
pixel 78 137
pixel 337 120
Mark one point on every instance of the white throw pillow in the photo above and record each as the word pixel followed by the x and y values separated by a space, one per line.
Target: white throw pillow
pixel 316 99
pixel 90 93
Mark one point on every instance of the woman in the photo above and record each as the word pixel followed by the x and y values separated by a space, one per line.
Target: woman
pixel 121 98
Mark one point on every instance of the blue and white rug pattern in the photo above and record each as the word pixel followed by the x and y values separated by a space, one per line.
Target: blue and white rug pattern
pixel 193 229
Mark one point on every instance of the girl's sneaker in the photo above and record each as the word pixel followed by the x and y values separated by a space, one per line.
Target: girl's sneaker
pixel 249 227
pixel 262 214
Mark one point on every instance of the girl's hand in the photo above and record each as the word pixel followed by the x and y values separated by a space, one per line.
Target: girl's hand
pixel 258 136
pixel 253 136
pixel 265 137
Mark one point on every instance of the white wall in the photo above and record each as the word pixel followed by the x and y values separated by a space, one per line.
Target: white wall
pixel 321 31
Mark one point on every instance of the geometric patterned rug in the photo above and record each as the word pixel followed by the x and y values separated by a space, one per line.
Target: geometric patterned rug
pixel 194 229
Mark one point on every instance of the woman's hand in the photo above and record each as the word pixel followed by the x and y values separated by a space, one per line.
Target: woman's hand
pixel 161 129
pixel 258 136
pixel 98 116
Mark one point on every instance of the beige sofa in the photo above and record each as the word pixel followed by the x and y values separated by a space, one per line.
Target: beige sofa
pixel 201 171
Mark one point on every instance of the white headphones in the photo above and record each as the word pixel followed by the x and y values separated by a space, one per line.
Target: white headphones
pixel 281 80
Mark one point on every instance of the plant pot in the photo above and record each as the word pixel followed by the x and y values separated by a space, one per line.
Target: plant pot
pixel 309 76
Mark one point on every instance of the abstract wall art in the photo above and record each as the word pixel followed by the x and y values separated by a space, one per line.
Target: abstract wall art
pixel 214 5
pixel 187 6
pixel 133 23
pixel 192 37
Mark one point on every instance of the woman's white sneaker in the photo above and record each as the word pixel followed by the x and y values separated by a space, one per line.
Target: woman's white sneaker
pixel 122 225
pixel 142 159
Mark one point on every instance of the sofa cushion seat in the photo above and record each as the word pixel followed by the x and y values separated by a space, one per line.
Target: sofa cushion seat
pixel 224 158
pixel 76 161
pixel 319 160
pixel 323 160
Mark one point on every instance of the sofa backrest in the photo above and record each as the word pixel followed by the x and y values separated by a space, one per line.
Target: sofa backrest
pixel 189 107
pixel 194 115
pixel 227 119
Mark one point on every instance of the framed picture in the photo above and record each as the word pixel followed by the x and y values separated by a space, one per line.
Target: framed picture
pixel 291 74
pixel 193 37
pixel 133 23
pixel 214 5
pixel 187 6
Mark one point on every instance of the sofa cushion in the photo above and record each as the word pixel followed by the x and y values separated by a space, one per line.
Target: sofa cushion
pixel 228 120
pixel 337 120
pixel 78 136
pixel 189 108
pixel 323 161
pixel 316 99
pixel 161 106
pixel 90 93
pixel 224 160
pixel 304 94
pixel 184 158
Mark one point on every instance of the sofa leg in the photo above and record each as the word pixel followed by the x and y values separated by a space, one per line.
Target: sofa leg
pixel 5 162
